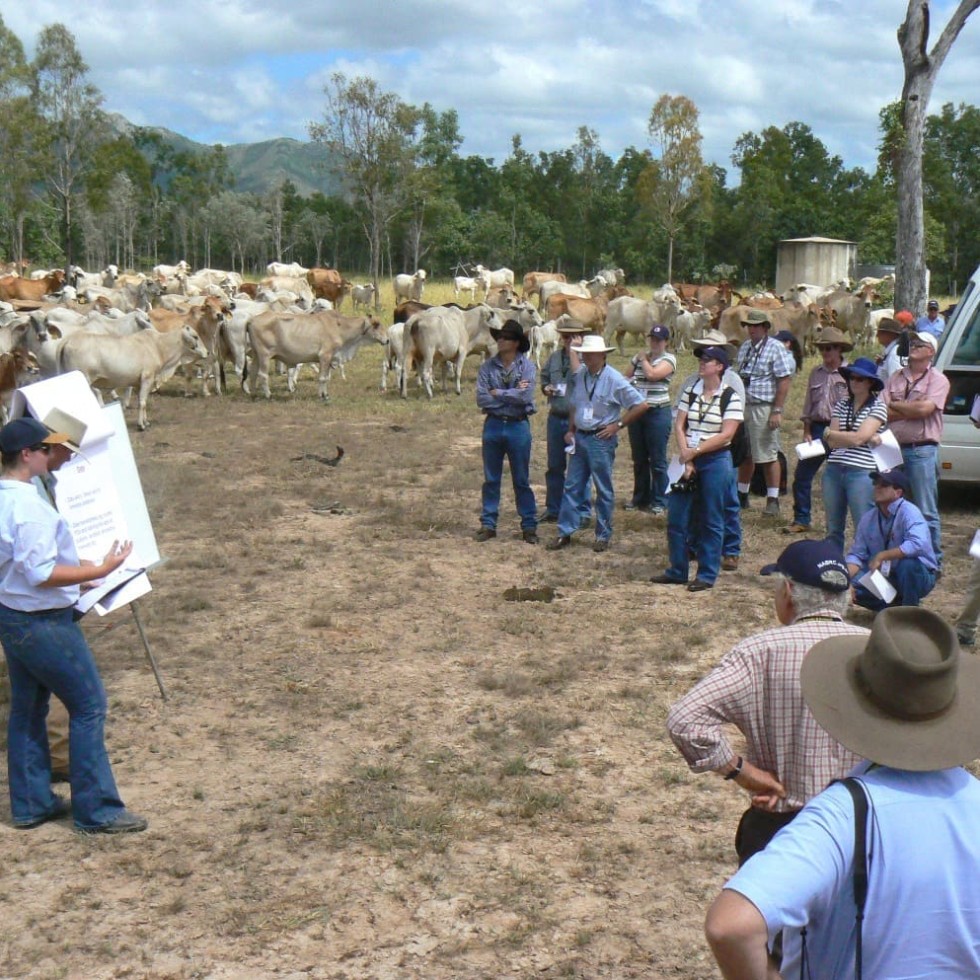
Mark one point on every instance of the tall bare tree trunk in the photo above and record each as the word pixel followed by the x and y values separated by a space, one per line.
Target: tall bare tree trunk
pixel 921 68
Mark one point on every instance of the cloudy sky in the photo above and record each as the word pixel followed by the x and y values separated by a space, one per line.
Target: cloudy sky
pixel 233 71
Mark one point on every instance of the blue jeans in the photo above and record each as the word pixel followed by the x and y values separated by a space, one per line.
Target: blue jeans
pixel 845 488
pixel 593 460
pixel 554 476
pixel 511 439
pixel 707 504
pixel 806 470
pixel 46 652
pixel 731 545
pixel 649 435
pixel 910 579
pixel 922 469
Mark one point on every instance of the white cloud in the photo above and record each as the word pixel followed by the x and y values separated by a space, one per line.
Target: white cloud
pixel 236 70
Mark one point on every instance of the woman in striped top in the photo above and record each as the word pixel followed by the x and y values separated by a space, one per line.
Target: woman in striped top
pixel 856 422
pixel 651 371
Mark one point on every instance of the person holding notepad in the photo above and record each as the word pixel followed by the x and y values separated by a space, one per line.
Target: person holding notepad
pixel 892 539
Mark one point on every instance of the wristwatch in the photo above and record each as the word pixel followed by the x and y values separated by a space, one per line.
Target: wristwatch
pixel 619 423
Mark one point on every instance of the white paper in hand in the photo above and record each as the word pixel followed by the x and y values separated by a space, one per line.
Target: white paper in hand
pixel 975 546
pixel 887 455
pixel 878 585
pixel 808 450
pixel 674 471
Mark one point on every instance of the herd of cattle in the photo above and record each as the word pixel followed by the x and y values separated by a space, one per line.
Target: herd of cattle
pixel 125 331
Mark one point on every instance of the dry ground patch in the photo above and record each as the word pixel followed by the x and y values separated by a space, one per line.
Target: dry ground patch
pixel 372 764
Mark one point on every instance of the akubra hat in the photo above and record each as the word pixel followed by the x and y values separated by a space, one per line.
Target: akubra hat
pixel 757 318
pixel 831 335
pixel 570 326
pixel 593 344
pixel 905 696
pixel 512 330
pixel 863 367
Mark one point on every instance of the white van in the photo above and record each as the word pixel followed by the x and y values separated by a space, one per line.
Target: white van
pixel 959 359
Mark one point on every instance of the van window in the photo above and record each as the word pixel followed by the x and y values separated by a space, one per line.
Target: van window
pixel 967 352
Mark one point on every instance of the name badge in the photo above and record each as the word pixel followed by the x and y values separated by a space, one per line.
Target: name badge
pixel 587 413
pixel 693 440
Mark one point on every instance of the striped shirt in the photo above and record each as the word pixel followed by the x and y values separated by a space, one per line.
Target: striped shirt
pixel 655 393
pixel 756 687
pixel 850 422
pixel 704 417
pixel 764 365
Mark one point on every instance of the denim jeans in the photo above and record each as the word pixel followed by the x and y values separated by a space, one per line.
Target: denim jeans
pixel 910 579
pixel 511 439
pixel 707 505
pixel 46 652
pixel 922 469
pixel 554 476
pixel 806 470
pixel 731 545
pixel 593 460
pixel 649 435
pixel 845 488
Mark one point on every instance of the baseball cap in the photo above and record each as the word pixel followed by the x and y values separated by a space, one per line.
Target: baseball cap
pixel 933 304
pixel 817 563
pixel 25 432
pixel 659 331
pixel 923 336
pixel 713 354
pixel 892 478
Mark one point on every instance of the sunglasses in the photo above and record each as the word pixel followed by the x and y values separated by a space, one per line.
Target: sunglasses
pixel 920 346
pixel 41 447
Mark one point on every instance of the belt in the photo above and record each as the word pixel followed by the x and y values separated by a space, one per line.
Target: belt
pixel 587 432
pixel 916 445
pixel 507 418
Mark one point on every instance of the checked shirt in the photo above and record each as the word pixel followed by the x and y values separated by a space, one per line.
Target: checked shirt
pixel 756 687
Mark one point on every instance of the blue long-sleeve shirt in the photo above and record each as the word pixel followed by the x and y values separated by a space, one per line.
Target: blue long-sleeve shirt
pixel 902 527
pixel 511 401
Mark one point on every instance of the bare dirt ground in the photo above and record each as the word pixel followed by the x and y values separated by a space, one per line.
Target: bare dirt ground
pixel 372 764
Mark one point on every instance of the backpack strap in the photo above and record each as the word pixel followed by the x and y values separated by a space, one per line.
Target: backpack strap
pixel 859 795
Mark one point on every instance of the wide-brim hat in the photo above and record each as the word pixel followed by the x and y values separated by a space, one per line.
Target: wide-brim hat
pixel 863 367
pixel 757 318
pixel 570 326
pixel 888 324
pixel 905 696
pixel 831 335
pixel 58 421
pixel 512 330
pixel 714 338
pixel 593 344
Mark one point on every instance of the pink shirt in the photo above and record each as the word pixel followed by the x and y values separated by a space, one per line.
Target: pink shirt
pixel 933 386
pixel 824 390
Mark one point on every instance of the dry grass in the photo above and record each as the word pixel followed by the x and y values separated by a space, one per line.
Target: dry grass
pixel 371 763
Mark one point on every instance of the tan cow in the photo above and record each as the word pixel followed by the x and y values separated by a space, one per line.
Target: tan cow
pixel 17 287
pixel 302 338
pixel 329 284
pixel 589 312
pixel 534 280
pixel 147 359
pixel 206 320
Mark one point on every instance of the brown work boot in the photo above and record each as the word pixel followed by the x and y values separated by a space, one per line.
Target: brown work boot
pixel 729 563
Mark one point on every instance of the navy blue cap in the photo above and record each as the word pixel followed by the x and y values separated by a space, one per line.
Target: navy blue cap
pixel 817 563
pixel 25 432
pixel 713 354
pixel 659 331
pixel 893 478
pixel 785 336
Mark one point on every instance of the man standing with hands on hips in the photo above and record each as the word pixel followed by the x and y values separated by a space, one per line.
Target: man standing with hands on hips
pixel 599 395
pixel 766 368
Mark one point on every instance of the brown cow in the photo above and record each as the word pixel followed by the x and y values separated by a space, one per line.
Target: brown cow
pixel 17 287
pixel 329 284
pixel 533 280
pixel 206 320
pixel 591 313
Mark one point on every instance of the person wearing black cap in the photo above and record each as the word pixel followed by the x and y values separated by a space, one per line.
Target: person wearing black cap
pixel 893 538
pixel 46 652
pixel 787 759
pixel 505 393
pixel 651 371
pixel 708 415
pixel 933 322
pixel 906 699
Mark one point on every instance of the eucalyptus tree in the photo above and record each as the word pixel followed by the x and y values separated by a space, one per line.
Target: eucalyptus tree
pixel 70 107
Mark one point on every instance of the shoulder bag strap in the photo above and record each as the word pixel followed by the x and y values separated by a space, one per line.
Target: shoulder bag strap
pixel 860 798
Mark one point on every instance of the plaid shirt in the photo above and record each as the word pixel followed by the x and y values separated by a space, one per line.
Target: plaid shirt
pixel 765 364
pixel 756 687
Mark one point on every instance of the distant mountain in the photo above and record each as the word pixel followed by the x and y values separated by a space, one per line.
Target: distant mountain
pixel 257 167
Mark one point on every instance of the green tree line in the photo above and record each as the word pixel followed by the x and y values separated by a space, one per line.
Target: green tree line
pixel 73 188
